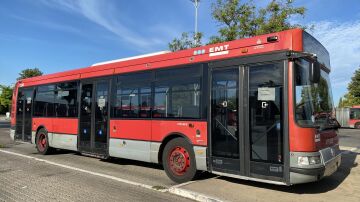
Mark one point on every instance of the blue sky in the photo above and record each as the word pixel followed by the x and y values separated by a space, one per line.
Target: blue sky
pixel 66 34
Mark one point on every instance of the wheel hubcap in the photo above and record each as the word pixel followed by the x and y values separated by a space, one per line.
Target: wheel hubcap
pixel 179 160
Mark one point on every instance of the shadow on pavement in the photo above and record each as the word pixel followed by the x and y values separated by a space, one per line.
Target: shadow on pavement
pixel 324 185
pixel 121 161
pixel 5 124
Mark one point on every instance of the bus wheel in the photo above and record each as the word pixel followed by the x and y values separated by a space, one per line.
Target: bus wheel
pixel 357 125
pixel 179 160
pixel 42 142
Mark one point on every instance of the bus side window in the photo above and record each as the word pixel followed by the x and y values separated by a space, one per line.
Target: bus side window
pixel 133 96
pixel 351 114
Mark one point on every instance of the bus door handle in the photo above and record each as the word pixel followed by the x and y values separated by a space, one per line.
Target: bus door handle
pixel 224 104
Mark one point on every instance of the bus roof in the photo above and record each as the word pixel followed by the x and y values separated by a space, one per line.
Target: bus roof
pixel 285 40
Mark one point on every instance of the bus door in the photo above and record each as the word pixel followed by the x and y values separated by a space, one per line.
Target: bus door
pixel 94 116
pixel 265 121
pixel 246 135
pixel 226 137
pixel 24 114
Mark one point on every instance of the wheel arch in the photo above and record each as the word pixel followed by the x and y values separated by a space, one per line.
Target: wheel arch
pixel 38 129
pixel 167 139
pixel 357 124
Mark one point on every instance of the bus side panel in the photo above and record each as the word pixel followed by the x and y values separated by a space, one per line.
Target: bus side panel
pixel 62 132
pixel 131 139
pixel 352 122
pixel 161 129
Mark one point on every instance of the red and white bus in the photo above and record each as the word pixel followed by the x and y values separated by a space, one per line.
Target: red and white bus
pixel 354 119
pixel 250 109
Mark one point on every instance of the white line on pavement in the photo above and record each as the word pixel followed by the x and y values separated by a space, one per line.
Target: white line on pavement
pixel 173 190
pixel 84 171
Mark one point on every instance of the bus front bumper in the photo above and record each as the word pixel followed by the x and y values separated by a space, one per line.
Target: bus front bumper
pixel 331 160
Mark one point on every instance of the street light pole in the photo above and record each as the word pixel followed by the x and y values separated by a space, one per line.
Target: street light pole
pixel 196 5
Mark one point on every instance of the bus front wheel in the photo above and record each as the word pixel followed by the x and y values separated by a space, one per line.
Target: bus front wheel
pixel 357 125
pixel 42 142
pixel 179 160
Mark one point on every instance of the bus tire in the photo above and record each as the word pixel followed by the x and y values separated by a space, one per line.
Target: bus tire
pixel 42 142
pixel 357 125
pixel 179 160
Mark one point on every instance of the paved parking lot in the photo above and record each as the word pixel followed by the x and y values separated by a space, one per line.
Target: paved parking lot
pixel 70 176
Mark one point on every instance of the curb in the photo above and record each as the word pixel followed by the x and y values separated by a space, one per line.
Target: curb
pixel 348 150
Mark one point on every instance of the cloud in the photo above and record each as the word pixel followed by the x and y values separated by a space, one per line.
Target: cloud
pixel 49 24
pixel 102 14
pixel 342 40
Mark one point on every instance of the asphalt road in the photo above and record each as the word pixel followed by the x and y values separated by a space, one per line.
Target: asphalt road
pixel 26 179
pixel 68 176
pixel 349 137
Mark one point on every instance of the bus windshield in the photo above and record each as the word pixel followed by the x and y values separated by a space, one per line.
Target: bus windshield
pixel 314 104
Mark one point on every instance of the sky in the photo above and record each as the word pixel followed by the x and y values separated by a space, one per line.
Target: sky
pixel 58 35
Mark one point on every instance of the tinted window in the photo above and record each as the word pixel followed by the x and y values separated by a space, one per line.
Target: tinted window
pixel 133 96
pixel 354 113
pixel 177 98
pixel 44 102
pixel 314 105
pixel 178 72
pixel 66 100
pixel 265 112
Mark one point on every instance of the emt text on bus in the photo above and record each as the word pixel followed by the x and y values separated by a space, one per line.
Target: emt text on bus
pixel 256 109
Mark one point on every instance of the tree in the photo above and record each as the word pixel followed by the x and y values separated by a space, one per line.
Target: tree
pixel 27 73
pixel 241 20
pixel 238 20
pixel 353 96
pixel 186 42
pixel 5 98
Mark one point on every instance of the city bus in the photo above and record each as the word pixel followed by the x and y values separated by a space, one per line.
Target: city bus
pixel 354 121
pixel 257 109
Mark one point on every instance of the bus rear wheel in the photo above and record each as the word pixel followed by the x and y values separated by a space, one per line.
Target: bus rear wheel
pixel 179 160
pixel 42 142
pixel 357 125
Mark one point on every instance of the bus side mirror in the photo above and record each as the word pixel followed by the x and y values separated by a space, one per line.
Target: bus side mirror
pixel 314 72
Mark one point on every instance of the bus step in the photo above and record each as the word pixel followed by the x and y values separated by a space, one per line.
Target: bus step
pixel 95 155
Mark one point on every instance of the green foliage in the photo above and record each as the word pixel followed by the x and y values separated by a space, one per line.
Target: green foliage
pixel 241 20
pixel 237 19
pixel 353 95
pixel 186 42
pixel 27 73
pixel 5 98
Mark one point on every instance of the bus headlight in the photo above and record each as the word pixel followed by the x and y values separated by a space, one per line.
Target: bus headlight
pixel 309 160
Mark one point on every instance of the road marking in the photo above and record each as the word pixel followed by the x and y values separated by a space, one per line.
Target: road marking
pixel 84 171
pixel 173 190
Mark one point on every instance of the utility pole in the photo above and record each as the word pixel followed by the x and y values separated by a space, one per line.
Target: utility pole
pixel 196 5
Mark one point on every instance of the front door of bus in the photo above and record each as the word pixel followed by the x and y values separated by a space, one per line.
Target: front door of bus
pixel 265 101
pixel 23 114
pixel 94 114
pixel 246 121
